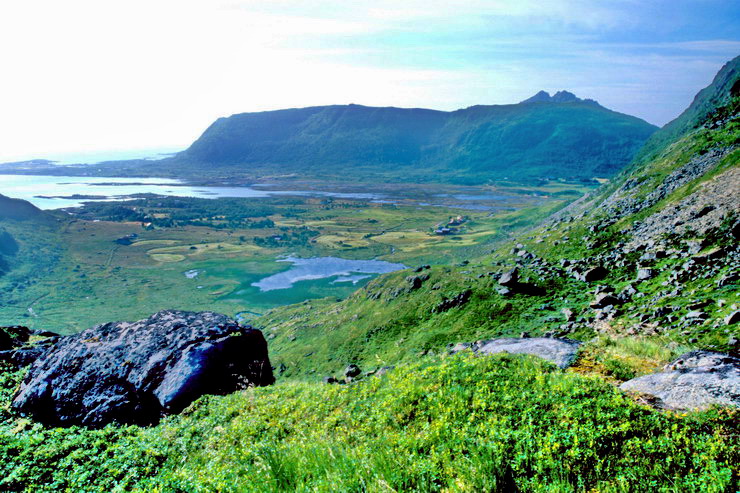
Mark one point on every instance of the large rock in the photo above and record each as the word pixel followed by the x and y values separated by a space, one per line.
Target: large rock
pixel 135 372
pixel 562 352
pixel 603 300
pixel 594 274
pixel 510 278
pixel 695 380
pixel 510 281
pixel 17 347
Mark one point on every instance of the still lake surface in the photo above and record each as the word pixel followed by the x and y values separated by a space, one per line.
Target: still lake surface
pixel 309 269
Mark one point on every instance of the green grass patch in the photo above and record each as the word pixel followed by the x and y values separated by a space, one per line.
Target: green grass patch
pixel 460 423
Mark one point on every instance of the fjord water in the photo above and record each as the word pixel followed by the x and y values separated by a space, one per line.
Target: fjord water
pixel 57 192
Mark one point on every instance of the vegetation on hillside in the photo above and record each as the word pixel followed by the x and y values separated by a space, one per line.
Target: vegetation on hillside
pixel 422 419
pixel 577 139
pixel 455 424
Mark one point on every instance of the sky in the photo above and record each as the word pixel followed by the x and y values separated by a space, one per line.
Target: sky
pixel 98 75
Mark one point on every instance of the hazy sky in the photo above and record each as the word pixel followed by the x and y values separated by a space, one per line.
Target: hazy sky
pixel 82 75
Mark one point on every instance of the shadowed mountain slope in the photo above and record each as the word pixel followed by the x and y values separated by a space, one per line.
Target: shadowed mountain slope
pixel 560 136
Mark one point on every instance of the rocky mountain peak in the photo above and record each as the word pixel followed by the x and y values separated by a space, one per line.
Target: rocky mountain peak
pixel 558 97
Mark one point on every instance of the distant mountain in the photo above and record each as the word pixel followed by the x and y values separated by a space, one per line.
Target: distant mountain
pixel 568 137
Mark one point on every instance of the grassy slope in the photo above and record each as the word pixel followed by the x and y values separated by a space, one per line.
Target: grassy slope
pixel 471 145
pixel 456 424
pixel 31 251
pixel 440 423
pixel 387 322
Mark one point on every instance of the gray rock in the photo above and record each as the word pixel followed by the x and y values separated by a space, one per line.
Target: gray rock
pixel 460 346
pixel 628 291
pixel 510 278
pixel 135 372
pixel 732 318
pixel 562 352
pixel 695 246
pixel 503 291
pixel 383 370
pixel 695 314
pixel 645 273
pixel 695 380
pixel 605 299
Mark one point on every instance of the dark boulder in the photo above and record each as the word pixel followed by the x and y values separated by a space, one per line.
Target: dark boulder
pixel 510 281
pixel 135 372
pixel 450 303
pixel 17 348
pixel 603 300
pixel 13 336
pixel 415 282
pixel 594 274
pixel 352 371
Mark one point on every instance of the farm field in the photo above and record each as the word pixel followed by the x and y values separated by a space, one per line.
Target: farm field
pixel 126 260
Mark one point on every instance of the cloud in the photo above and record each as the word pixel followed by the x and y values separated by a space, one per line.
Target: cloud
pixel 91 74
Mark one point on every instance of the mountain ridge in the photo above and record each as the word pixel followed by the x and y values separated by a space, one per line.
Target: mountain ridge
pixel 568 138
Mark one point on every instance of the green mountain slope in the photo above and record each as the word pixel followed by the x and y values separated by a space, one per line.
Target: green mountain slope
pixel 665 235
pixel 20 210
pixel 29 245
pixel 569 139
pixel 682 204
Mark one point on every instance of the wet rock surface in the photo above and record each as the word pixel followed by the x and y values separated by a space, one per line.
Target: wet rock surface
pixel 695 380
pixel 135 372
pixel 561 352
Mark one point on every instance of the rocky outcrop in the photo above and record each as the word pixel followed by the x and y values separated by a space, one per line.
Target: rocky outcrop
pixel 18 348
pixel 701 211
pixel 510 281
pixel 625 201
pixel 135 372
pixel 695 380
pixel 450 303
pixel 561 352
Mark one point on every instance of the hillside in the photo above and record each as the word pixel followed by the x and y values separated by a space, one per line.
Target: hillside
pixel 665 231
pixel 20 210
pixel 717 94
pixel 28 245
pixel 562 136
pixel 391 389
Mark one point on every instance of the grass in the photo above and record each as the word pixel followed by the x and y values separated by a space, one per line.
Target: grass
pixel 459 423
pixel 93 280
pixel 624 358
